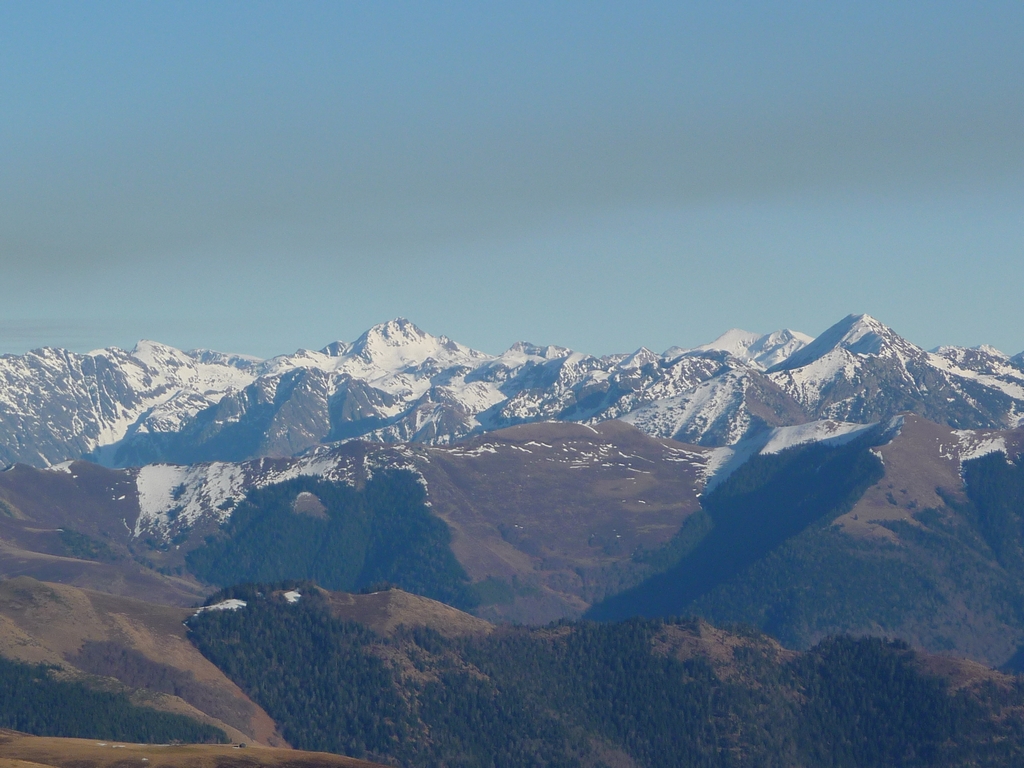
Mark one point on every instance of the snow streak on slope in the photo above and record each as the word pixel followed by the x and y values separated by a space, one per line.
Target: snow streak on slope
pixel 827 432
pixel 173 497
pixel 168 492
pixel 716 405
pixel 726 460
pixel 1004 377
pixel 975 444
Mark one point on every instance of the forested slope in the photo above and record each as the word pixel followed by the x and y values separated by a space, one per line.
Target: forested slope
pixel 32 701
pixel 339 536
pixel 642 692
pixel 765 552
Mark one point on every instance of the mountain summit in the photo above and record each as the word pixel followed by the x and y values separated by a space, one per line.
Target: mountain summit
pixel 399 344
pixel 856 334
pixel 761 351
pixel 861 370
pixel 398 383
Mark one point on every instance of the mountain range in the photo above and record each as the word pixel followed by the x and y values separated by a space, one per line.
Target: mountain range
pixel 419 502
pixel 550 520
pixel 396 383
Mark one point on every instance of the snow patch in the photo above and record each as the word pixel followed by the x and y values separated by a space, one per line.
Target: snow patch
pixel 975 444
pixel 722 462
pixel 226 605
pixel 174 497
pixel 697 411
pixel 168 492
pixel 827 432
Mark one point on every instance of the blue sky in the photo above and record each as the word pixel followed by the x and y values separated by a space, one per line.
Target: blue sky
pixel 258 177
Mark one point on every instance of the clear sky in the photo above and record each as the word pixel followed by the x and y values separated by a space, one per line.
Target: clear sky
pixel 258 177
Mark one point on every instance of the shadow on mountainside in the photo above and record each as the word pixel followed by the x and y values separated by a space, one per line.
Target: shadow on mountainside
pixel 767 501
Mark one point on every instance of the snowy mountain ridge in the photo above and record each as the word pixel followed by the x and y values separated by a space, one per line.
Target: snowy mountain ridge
pixel 761 352
pixel 397 383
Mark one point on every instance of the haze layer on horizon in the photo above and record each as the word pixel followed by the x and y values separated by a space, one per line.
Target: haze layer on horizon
pixel 256 177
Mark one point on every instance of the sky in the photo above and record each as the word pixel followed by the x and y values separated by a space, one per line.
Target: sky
pixel 260 177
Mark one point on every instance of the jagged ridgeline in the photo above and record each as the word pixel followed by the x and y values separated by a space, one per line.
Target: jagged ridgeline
pixel 342 538
pixel 644 692
pixel 397 383
pixel 33 701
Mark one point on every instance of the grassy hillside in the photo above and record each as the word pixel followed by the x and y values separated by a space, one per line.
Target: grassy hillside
pixel 125 646
pixel 75 527
pixel 544 518
pixel 18 750
pixel 33 701
pixel 642 692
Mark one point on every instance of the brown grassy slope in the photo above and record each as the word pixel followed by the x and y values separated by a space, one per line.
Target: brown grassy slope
pixel 742 658
pixel 385 611
pixel 923 458
pixel 18 750
pixel 96 500
pixel 142 645
pixel 99 503
pixel 730 655
pixel 970 611
pixel 560 508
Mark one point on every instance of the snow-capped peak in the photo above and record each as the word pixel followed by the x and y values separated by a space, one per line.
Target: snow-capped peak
pixel 990 350
pixel 522 351
pixel 398 383
pixel 735 341
pixel 638 359
pixel 983 359
pixel 233 360
pixel 958 354
pixel 397 333
pixel 761 351
pixel 399 344
pixel 336 349
pixel 158 356
pixel 864 335
pixel 858 335
pixel 203 371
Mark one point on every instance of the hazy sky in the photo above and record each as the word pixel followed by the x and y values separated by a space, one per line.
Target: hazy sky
pixel 258 177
